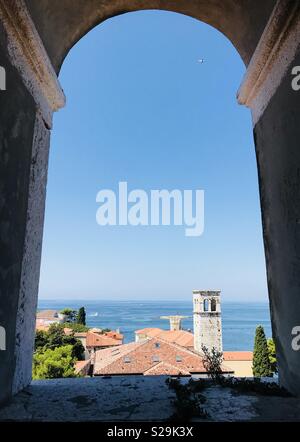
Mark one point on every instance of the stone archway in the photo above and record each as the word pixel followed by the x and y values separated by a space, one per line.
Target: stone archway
pixel 35 38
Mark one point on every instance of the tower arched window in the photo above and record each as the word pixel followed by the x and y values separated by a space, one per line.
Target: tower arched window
pixel 213 305
pixel 206 305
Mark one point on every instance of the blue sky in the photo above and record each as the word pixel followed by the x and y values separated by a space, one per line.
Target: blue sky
pixel 141 109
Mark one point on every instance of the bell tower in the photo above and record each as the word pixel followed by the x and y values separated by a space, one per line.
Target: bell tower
pixel 207 320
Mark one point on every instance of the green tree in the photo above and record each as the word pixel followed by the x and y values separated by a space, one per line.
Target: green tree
pixel 71 315
pixel 261 363
pixel 105 330
pixel 272 355
pixel 52 364
pixel 81 316
pixel 212 361
pixel 41 339
pixel 77 328
pixel 55 337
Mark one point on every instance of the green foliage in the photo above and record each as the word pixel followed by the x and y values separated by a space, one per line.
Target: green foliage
pixel 81 317
pixel 261 363
pixel 105 330
pixel 212 362
pixel 255 385
pixel 41 339
pixel 77 328
pixel 188 400
pixel 52 364
pixel 272 355
pixel 71 315
pixel 55 337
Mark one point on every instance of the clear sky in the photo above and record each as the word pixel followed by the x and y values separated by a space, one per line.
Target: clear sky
pixel 142 109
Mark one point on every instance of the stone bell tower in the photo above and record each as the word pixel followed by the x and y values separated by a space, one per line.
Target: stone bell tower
pixel 207 320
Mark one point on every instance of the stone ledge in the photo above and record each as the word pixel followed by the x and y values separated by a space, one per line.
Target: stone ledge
pixel 135 398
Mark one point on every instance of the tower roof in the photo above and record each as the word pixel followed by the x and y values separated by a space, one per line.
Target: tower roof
pixel 207 292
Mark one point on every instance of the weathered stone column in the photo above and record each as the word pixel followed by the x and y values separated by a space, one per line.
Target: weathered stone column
pixel 275 105
pixel 31 95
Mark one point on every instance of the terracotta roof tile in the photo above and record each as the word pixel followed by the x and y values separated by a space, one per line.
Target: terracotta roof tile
pixel 180 337
pixel 154 355
pixel 151 332
pixel 41 327
pixel 115 335
pixel 81 366
pixel 238 355
pixel 163 368
pixel 48 314
pixel 96 340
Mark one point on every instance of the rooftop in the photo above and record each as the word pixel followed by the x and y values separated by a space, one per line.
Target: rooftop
pixel 47 314
pixel 237 355
pixel 154 355
pixel 98 340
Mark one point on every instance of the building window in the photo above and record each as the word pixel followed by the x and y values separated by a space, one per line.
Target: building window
pixel 213 305
pixel 206 305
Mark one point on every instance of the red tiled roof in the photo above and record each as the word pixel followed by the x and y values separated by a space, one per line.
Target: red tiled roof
pixel 48 314
pixel 145 357
pixel 151 332
pixel 114 334
pixel 180 337
pixel 237 355
pixel 96 340
pixel 81 366
pixel 41 327
pixel 80 334
pixel 163 368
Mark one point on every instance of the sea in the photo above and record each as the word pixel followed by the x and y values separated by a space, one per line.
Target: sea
pixel 239 320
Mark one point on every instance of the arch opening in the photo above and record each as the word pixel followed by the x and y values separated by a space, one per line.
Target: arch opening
pixel 137 131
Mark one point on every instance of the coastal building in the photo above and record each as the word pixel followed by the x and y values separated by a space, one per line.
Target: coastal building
pixel 240 362
pixel 48 317
pixel 93 341
pixel 152 356
pixel 207 332
pixel 207 320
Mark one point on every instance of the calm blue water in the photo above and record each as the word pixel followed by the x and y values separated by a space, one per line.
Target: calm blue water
pixel 239 319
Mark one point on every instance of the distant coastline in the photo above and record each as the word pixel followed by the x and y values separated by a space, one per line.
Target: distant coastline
pixel 239 318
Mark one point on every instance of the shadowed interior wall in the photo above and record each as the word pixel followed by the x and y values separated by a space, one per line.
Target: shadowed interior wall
pixel 17 114
pixel 277 136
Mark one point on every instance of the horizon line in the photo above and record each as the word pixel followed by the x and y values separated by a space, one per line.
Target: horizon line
pixel 144 300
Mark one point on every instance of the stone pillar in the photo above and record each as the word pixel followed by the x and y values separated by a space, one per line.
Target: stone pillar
pixel 26 105
pixel 269 92
pixel 175 321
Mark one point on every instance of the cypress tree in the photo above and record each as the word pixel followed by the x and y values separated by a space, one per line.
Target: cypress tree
pixel 81 316
pixel 261 362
